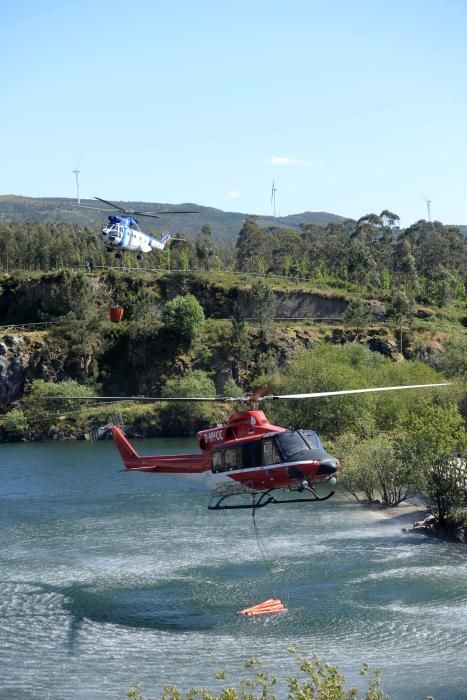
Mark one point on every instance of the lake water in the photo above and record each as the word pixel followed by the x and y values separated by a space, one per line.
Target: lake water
pixel 108 578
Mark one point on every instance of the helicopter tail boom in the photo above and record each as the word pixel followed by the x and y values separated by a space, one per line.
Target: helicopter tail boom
pixel 160 244
pixel 127 452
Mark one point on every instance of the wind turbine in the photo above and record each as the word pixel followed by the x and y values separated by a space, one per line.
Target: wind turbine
pixel 273 197
pixel 428 203
pixel 77 172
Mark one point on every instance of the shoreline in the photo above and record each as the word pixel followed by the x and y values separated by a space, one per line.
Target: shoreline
pixel 407 512
pixel 414 518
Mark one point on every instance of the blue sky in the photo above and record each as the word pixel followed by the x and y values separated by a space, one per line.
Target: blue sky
pixel 350 106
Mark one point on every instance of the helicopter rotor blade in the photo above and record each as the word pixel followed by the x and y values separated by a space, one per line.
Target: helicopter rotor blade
pixel 151 215
pixel 114 206
pixel 158 214
pixel 134 212
pixel 218 399
pixel 86 206
pixel 318 394
pixel 257 396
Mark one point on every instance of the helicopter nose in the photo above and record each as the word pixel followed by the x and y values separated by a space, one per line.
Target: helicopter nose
pixel 328 466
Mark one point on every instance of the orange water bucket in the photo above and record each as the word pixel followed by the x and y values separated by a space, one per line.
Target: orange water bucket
pixel 116 313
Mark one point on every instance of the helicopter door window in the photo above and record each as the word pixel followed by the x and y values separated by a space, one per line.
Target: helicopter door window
pixel 270 452
pixel 216 460
pixel 251 455
pixel 230 458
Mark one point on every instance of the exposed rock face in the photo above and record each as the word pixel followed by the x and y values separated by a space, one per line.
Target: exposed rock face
pixel 22 359
pixel 386 347
pixel 218 302
pixel 15 353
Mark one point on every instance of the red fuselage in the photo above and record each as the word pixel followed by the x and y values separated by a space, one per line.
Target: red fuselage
pixel 247 455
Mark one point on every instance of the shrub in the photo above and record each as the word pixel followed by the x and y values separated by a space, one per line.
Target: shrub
pixel 15 423
pixel 373 468
pixel 316 681
pixel 46 401
pixel 184 316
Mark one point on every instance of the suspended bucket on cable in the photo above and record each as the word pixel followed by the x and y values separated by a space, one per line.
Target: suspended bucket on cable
pixel 269 607
pixel 116 313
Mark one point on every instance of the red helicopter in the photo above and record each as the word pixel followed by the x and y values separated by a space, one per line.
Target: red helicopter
pixel 247 456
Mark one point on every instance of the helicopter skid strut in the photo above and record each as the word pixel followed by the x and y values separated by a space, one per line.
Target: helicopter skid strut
pixel 266 499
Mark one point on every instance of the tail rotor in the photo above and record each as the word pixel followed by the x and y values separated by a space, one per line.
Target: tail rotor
pixel 105 431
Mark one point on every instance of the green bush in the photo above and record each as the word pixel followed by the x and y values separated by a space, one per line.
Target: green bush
pixel 373 468
pixel 15 423
pixel 47 401
pixel 184 316
pixel 186 418
pixel 316 681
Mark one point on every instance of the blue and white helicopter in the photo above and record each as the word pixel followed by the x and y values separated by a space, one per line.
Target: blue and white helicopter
pixel 122 231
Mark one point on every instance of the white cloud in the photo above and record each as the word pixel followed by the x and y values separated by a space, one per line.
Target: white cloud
pixel 233 195
pixel 283 160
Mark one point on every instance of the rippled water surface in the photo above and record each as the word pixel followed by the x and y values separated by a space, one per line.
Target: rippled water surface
pixel 109 578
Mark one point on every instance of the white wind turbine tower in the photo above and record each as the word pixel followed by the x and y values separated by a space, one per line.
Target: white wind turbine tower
pixel 428 205
pixel 273 198
pixel 77 172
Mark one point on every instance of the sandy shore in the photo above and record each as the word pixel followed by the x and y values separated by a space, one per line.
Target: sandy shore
pixel 406 513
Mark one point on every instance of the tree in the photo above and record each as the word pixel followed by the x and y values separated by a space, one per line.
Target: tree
pixel 327 368
pixel 253 247
pixel 326 247
pixel 184 316
pixel 377 233
pixel 372 467
pixel 434 445
pixel 443 286
pixel 186 418
pixel 240 349
pixel 287 249
pixel 452 360
pixel 71 296
pixel 46 401
pixel 405 266
pixel 204 247
pixel 83 340
pixel 361 265
pixel 358 314
pixel 436 246
pixel 263 304
pixel 358 476
pixel 444 484
pixel 400 309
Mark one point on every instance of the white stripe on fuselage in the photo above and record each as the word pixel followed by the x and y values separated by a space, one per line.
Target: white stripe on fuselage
pixel 215 479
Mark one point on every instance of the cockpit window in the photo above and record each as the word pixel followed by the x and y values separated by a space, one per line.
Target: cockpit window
pixel 312 439
pixel 291 443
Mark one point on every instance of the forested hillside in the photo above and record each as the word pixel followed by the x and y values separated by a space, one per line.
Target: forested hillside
pixel 399 292
pixel 426 262
pixel 225 225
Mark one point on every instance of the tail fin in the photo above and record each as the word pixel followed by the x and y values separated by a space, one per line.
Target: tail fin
pixel 127 452
pixel 165 238
pixel 159 244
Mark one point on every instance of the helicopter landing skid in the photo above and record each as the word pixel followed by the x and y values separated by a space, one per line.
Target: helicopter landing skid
pixel 265 499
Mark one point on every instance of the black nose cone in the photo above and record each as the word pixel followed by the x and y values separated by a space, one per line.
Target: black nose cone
pixel 328 465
